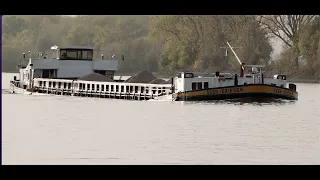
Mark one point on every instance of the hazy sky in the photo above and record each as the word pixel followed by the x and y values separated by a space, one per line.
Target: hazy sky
pixel 277 47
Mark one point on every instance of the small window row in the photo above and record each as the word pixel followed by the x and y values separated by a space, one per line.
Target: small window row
pixel 200 85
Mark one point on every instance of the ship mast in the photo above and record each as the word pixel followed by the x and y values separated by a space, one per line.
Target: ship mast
pixel 241 63
pixel 234 53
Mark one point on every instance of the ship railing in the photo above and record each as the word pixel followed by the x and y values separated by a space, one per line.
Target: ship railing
pixel 95 87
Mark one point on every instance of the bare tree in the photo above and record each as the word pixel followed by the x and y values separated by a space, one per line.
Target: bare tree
pixel 285 27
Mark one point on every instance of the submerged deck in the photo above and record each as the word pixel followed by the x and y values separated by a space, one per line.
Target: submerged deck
pixel 114 90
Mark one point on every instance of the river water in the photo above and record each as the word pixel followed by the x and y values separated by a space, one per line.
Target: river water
pixel 74 130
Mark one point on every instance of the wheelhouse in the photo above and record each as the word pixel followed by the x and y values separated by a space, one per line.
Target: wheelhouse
pixel 76 53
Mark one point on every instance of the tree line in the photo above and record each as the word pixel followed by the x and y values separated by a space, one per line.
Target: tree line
pixel 172 43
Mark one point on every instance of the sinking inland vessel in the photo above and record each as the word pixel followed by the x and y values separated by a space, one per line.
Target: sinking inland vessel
pixel 187 87
pixel 64 74
pixel 72 71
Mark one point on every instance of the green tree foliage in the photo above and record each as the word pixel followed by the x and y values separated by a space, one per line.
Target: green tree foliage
pixel 288 29
pixel 301 35
pixel 155 43
pixel 309 47
pixel 195 42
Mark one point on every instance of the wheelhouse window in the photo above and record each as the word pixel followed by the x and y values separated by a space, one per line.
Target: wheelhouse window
pixel 87 54
pixel 76 54
pixel 68 54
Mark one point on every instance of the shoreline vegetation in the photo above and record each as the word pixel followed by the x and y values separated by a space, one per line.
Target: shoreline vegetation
pixel 173 43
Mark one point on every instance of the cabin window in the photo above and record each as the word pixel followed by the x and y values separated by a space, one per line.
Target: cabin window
pixel 80 86
pixel 90 55
pixel 112 88
pixel 92 87
pixel 127 88
pixel 69 85
pixel 136 89
pixel 48 73
pixel 102 87
pixel 206 85
pixel 49 83
pixel 188 75
pixel 72 54
pixel 100 72
pixel 68 54
pixel 59 85
pixel 83 86
pixel 117 88
pixel 194 86
pixel 63 54
pixel 44 83
pixel 98 88
pixel 142 89
pixel 40 83
pixel 131 89
pixel 76 54
pixel 84 54
pixel 64 85
pixel 87 54
pixel 79 55
pixel 147 90
pixel 122 88
pixel 54 84
pixel 88 87
pixel 199 85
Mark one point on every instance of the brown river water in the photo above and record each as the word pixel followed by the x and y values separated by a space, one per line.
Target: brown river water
pixel 74 130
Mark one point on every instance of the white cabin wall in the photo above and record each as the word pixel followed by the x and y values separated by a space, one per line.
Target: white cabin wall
pixel 74 68
pixel 221 82
pixel 188 82
pixel 242 81
pixel 278 82
pixel 24 73
pixel 21 75
pixel 179 84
